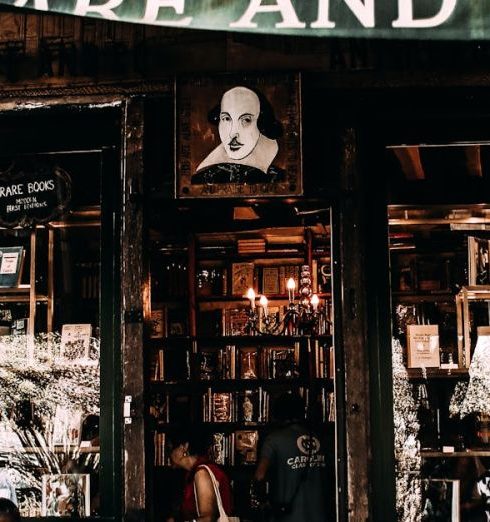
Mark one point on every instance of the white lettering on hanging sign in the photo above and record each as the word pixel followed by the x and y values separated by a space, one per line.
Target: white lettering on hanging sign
pixel 83 7
pixel 153 8
pixel 41 5
pixel 284 7
pixel 11 190
pixel 406 19
pixel 364 11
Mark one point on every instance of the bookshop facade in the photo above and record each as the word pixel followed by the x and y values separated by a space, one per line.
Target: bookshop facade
pixel 186 250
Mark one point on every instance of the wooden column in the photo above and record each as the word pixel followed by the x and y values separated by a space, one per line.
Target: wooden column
pixel 132 303
pixel 352 370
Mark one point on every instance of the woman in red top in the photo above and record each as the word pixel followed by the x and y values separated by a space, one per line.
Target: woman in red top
pixel 189 450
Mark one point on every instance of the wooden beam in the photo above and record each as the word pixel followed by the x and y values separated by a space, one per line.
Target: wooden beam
pixel 132 303
pixel 409 158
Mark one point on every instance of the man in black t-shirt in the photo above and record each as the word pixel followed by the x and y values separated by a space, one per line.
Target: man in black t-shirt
pixel 293 461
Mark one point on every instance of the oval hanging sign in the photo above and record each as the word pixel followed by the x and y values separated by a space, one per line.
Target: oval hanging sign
pixel 33 194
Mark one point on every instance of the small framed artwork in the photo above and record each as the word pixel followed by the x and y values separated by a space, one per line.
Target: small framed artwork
pixel 239 136
pixel 65 495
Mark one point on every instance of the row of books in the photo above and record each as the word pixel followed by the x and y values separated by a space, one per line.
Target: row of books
pixel 237 362
pixel 236 279
pixel 247 407
pixel 227 449
pixel 231 362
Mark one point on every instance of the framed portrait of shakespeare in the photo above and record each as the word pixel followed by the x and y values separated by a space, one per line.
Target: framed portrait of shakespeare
pixel 238 136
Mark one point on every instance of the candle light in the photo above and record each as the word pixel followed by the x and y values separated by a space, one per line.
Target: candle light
pixel 263 303
pixel 251 296
pixel 291 285
pixel 315 301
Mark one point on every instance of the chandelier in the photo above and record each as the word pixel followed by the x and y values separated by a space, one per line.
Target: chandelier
pixel 305 316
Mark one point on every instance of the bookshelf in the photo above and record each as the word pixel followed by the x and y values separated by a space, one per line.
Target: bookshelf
pixel 433 267
pixel 206 366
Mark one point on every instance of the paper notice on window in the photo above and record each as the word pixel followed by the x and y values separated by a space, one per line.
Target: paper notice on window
pixel 423 346
pixel 9 263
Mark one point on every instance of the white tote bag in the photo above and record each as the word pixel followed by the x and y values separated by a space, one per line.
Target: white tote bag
pixel 223 517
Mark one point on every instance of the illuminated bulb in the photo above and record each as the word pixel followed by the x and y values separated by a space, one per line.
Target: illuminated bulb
pixel 251 296
pixel 315 301
pixel 263 303
pixel 291 285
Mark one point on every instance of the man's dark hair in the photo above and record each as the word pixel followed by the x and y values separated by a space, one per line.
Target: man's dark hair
pixel 9 509
pixel 267 123
pixel 199 439
pixel 288 407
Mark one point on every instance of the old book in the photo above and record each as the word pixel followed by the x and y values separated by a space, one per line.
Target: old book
pixel 75 341
pixel 248 363
pixel 423 346
pixel 11 263
pixel 222 407
pixel 286 272
pixel 246 246
pixel 242 278
pixel 210 364
pixel 235 321
pixel 441 500
pixel 158 323
pixel 248 406
pixel 270 280
pixel 246 446
pixel 282 363
pixel 478 261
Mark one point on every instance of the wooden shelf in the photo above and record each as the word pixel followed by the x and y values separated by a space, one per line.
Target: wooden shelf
pixel 22 298
pixel 421 297
pixel 238 384
pixel 240 339
pixel 55 449
pixel 235 298
pixel 437 373
pixel 433 454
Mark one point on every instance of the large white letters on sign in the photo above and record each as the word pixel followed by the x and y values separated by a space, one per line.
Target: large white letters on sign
pixel 405 15
pixel 364 11
pixel 42 5
pixel 289 18
pixel 153 7
pixel 105 10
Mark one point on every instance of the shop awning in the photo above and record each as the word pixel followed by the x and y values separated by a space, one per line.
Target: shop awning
pixel 396 19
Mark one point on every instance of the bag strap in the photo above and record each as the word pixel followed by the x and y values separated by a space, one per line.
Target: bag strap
pixel 221 509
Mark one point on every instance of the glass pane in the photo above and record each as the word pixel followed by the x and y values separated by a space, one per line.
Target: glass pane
pixel 226 341
pixel 49 326
pixel 441 316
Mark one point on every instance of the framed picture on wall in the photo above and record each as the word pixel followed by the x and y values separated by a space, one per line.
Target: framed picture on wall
pixel 238 136
pixel 66 495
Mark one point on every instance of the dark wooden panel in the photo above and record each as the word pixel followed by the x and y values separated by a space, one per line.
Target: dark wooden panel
pixel 133 278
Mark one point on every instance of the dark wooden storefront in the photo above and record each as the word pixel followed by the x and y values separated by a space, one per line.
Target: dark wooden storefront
pixel 359 96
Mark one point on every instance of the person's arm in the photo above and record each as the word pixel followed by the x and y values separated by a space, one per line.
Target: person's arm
pixel 206 498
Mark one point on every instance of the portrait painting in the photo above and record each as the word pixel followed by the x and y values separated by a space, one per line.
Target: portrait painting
pixel 239 136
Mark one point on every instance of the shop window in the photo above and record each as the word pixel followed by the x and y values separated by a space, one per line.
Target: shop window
pixel 50 271
pixel 225 340
pixel 440 283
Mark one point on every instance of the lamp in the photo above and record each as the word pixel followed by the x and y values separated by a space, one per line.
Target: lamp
pixel 304 317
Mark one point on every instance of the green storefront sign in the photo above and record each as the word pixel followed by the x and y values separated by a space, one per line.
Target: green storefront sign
pixel 427 19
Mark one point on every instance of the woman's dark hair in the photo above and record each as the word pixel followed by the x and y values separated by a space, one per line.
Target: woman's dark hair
pixel 198 438
pixel 288 407
pixel 267 123
pixel 9 509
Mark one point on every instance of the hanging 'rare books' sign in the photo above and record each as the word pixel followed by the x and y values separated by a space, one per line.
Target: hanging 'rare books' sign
pixel 33 194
